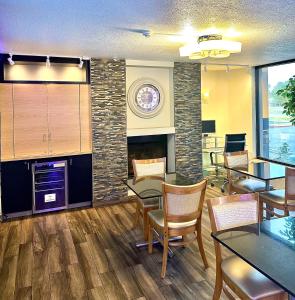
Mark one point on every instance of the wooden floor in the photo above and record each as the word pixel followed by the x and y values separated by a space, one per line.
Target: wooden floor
pixel 90 254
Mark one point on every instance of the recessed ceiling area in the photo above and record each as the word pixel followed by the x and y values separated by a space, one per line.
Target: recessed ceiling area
pixel 104 28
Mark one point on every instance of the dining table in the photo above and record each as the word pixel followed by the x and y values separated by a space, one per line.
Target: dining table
pixel 147 187
pixel 262 170
pixel 269 247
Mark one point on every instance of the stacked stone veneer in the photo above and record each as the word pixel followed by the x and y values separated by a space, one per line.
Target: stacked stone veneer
pixel 188 124
pixel 109 127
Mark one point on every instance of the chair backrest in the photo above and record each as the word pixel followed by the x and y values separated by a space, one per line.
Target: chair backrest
pixel 230 212
pixel 149 167
pixel 235 142
pixel 233 211
pixel 236 159
pixel 290 184
pixel 183 203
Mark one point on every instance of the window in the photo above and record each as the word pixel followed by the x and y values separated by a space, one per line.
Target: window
pixel 276 135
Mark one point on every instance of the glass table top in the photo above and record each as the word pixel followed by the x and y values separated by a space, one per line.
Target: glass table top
pixel 263 170
pixel 269 247
pixel 149 187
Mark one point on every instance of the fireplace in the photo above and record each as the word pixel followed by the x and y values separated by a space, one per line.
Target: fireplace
pixel 144 147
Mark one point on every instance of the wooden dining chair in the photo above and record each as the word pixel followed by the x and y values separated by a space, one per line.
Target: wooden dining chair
pixel 283 199
pixel 147 168
pixel 246 282
pixel 181 215
pixel 238 182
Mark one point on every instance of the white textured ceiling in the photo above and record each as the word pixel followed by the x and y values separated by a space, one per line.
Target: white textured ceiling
pixel 90 27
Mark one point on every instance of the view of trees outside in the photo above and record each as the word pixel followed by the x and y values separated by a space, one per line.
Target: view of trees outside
pixel 281 134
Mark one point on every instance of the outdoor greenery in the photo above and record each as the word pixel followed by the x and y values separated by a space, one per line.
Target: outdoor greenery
pixel 288 93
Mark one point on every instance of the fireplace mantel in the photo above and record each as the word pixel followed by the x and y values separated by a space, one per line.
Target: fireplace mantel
pixel 150 131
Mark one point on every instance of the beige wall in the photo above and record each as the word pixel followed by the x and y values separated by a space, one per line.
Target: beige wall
pixel 229 102
pixel 164 76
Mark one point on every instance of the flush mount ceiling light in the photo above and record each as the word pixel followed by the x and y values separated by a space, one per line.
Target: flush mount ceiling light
pixel 47 61
pixel 10 60
pixel 211 45
pixel 81 63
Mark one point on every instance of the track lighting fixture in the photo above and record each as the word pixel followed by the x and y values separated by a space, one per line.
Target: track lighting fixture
pixel 81 63
pixel 227 69
pixel 10 60
pixel 47 61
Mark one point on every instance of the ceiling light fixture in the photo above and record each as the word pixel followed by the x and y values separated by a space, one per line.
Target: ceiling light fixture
pixel 47 62
pixel 211 45
pixel 81 63
pixel 10 60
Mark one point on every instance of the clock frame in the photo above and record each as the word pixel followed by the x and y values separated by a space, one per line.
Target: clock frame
pixel 145 98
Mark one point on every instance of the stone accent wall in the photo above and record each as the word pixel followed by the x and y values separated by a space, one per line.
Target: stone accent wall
pixel 109 124
pixel 188 124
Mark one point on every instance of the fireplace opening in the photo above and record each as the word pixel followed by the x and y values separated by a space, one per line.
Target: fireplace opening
pixel 145 147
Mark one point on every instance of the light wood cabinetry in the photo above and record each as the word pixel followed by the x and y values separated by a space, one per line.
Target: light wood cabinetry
pixel 6 115
pixel 30 120
pixel 63 118
pixel 85 118
pixel 39 120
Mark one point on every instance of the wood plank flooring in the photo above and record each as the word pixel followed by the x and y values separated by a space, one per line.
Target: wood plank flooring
pixel 90 254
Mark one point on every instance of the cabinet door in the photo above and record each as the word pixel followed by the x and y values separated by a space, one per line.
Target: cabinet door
pixel 16 185
pixel 63 118
pixel 80 178
pixel 85 118
pixel 6 111
pixel 30 120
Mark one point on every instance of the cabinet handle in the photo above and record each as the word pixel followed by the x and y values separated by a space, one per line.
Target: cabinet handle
pixel 49 137
pixel 44 137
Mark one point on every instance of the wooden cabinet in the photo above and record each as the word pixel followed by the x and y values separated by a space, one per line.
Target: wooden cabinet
pixel 6 118
pixel 39 120
pixel 30 120
pixel 85 118
pixel 63 119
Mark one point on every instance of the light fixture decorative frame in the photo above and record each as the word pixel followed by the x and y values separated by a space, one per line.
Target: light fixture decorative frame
pixel 211 45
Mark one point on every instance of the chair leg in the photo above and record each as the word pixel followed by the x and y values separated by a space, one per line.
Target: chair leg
pixel 150 237
pixel 165 256
pixel 218 285
pixel 145 224
pixel 200 244
pixel 137 214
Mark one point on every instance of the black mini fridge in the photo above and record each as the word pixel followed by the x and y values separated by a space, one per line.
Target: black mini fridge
pixel 50 186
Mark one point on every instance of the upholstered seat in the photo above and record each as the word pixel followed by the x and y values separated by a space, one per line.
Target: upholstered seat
pixel 252 283
pixel 281 200
pixel 249 185
pixel 158 217
pixel 275 196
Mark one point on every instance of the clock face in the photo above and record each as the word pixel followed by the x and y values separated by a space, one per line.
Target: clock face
pixel 147 98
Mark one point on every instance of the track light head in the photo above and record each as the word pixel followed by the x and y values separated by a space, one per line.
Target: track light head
pixel 10 60
pixel 47 61
pixel 227 69
pixel 81 63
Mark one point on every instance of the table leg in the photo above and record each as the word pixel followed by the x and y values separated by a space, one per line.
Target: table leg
pixel 267 188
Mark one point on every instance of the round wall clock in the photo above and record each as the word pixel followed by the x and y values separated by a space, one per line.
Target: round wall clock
pixel 145 98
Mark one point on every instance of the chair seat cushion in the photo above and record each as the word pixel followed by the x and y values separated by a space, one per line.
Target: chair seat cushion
pixel 277 196
pixel 158 217
pixel 149 202
pixel 251 185
pixel 254 284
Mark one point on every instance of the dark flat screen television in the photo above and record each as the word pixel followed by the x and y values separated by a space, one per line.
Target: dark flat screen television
pixel 208 126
